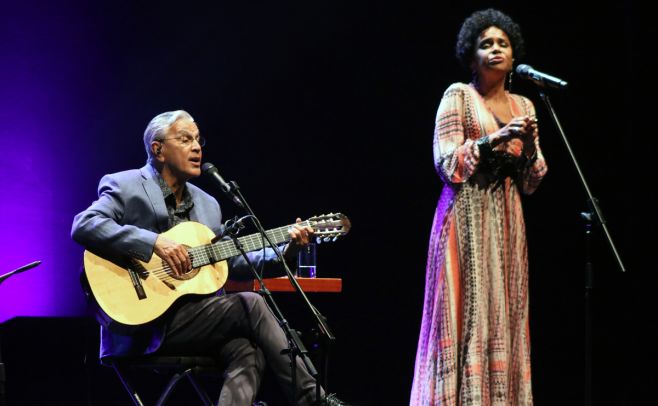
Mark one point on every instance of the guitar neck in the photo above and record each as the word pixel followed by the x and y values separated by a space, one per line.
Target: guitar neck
pixel 225 249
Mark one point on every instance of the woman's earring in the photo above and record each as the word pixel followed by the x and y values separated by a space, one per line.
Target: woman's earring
pixel 509 81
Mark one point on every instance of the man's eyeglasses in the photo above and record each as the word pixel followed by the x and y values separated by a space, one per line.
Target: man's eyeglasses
pixel 186 140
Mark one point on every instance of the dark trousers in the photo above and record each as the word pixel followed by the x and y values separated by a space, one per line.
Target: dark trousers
pixel 241 331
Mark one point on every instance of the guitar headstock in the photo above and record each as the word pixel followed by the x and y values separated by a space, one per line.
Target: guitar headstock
pixel 328 227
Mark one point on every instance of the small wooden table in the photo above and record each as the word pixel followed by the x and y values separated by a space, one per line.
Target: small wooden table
pixel 282 284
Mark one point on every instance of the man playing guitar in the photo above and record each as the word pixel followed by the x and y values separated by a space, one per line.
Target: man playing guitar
pixel 134 210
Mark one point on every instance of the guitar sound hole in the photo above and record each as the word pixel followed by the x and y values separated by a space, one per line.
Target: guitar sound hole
pixel 185 276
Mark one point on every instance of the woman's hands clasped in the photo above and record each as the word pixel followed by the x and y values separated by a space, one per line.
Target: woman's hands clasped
pixel 519 135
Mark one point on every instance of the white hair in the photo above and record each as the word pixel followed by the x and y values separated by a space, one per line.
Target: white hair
pixel 159 126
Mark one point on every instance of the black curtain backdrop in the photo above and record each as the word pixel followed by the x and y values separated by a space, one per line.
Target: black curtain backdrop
pixel 326 106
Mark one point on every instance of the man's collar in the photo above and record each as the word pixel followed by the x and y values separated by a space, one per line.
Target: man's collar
pixel 166 190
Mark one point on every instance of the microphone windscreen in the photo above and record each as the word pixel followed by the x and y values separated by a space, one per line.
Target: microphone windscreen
pixel 523 69
pixel 207 167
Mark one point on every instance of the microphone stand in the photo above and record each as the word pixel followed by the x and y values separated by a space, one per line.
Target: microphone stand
pixel 3 376
pixel 594 216
pixel 589 287
pixel 296 346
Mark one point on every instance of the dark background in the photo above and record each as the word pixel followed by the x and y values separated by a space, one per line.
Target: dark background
pixel 329 106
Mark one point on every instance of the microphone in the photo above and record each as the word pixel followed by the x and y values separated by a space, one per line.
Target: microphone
pixel 540 78
pixel 212 172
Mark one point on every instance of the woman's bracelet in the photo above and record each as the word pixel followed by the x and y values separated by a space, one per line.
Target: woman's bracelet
pixel 484 146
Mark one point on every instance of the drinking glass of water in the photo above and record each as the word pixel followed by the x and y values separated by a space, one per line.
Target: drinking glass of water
pixel 306 262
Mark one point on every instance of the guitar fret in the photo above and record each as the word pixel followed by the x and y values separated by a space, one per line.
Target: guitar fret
pixel 210 253
pixel 224 249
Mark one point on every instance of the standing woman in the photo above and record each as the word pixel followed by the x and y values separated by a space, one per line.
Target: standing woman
pixel 474 345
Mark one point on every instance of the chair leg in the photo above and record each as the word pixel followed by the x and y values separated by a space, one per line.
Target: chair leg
pixel 170 387
pixel 133 395
pixel 202 393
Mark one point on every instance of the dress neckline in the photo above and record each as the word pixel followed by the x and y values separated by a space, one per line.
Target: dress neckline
pixel 510 100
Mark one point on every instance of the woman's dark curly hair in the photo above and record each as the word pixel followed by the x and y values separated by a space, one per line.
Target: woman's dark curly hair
pixel 479 21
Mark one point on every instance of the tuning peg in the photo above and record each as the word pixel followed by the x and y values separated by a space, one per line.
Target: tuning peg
pixel 318 240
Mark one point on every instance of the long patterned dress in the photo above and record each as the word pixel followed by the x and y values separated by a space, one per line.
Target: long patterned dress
pixel 474 345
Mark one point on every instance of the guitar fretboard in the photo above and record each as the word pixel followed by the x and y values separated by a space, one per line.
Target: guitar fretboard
pixel 224 249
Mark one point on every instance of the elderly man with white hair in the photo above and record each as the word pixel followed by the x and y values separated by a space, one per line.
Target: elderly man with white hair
pixel 133 210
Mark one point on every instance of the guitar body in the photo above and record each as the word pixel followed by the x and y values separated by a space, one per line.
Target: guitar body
pixel 116 294
pixel 131 293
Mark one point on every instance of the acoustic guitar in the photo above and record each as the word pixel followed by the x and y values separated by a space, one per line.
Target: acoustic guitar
pixel 137 292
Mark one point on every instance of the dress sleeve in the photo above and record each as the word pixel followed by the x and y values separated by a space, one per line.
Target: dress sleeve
pixel 454 154
pixel 535 168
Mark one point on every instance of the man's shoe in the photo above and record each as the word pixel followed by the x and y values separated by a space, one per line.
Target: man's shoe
pixel 332 400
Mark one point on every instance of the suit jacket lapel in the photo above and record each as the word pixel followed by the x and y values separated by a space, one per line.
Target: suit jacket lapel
pixel 196 214
pixel 154 194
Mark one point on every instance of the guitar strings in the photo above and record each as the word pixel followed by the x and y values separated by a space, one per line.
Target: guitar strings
pixel 225 249
pixel 251 243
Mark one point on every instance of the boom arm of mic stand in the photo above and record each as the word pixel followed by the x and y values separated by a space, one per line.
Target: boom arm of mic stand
pixel 297 347
pixel 594 216
pixel 592 201
pixel 3 377
pixel 320 319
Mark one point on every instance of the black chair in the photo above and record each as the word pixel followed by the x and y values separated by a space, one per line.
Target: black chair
pixel 177 367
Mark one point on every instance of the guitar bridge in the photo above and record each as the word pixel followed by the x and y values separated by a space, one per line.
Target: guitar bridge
pixel 136 280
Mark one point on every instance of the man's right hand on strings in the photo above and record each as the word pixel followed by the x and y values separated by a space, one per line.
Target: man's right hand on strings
pixel 174 254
